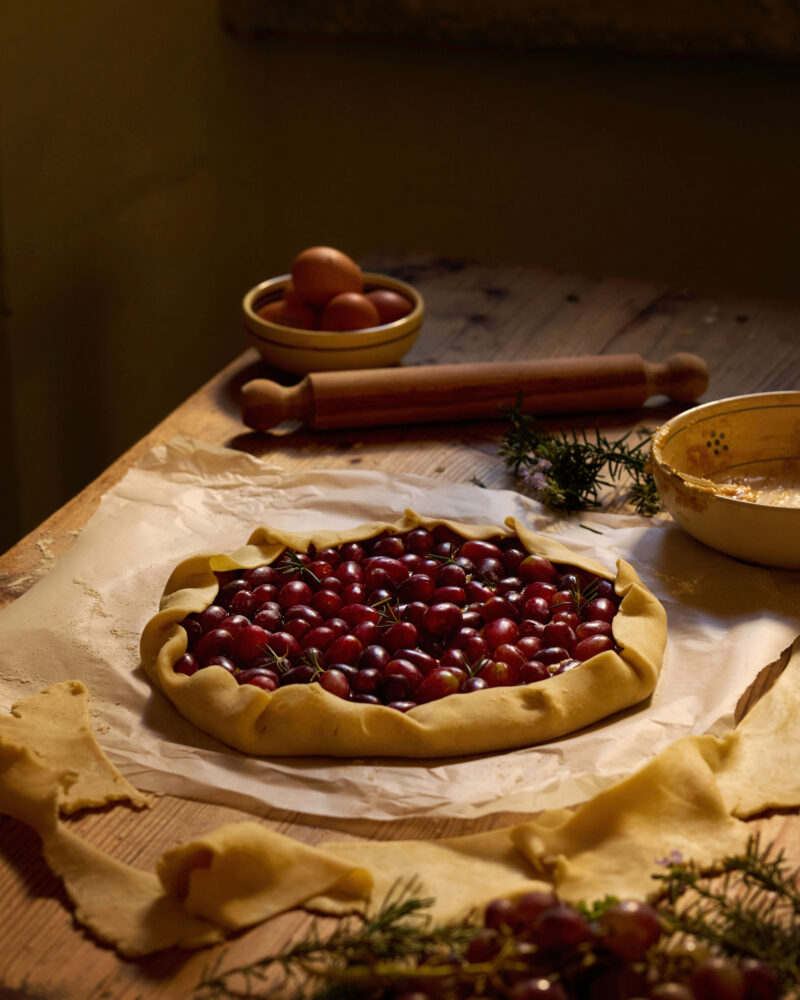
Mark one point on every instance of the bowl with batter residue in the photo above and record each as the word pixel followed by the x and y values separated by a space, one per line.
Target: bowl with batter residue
pixel 729 473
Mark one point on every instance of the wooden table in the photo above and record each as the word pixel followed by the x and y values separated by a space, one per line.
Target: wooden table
pixel 474 312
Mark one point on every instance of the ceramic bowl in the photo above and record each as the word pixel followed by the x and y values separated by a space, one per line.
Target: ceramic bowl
pixel 303 351
pixel 729 474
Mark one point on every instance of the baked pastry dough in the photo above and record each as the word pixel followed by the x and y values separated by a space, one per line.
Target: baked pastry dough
pixel 305 719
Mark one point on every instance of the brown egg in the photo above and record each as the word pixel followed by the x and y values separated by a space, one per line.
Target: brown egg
pixel 290 313
pixel 290 293
pixel 390 305
pixel 349 311
pixel 319 273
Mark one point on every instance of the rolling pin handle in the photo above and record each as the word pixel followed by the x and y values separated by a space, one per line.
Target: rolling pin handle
pixel 682 377
pixel 266 404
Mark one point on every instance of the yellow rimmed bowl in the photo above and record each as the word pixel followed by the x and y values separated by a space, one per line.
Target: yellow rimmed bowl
pixel 729 474
pixel 304 351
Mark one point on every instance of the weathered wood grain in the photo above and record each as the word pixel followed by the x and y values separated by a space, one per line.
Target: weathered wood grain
pixel 475 312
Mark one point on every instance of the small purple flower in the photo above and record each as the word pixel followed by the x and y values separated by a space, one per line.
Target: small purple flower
pixel 673 858
pixel 533 477
pixel 537 482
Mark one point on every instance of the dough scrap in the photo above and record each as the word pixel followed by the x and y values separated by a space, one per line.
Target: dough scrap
pixel 304 719
pixel 461 874
pixel 120 905
pixel 613 843
pixel 763 768
pixel 243 873
pixel 54 725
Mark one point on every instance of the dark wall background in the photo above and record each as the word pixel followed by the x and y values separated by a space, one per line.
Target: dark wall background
pixel 153 166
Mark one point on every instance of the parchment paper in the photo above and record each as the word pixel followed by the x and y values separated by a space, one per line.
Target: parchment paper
pixel 726 621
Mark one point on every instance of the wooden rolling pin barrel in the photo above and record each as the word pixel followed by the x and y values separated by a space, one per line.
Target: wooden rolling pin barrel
pixel 428 393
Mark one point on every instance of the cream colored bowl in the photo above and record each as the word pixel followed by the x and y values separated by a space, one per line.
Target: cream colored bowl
pixel 304 351
pixel 729 473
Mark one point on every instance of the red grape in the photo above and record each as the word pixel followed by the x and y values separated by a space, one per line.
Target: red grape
pixel 442 619
pixel 760 980
pixel 630 928
pixel 502 914
pixel 532 904
pixel 474 684
pixel 258 575
pixel 297 627
pixel 335 682
pixel 374 658
pixel 186 664
pixel 585 629
pixel 533 671
pixel 220 661
pixel 450 595
pixel 303 673
pixel 717 979
pixel 496 673
pixel 476 550
pixel 420 541
pixel 283 644
pixel 211 617
pixel 367 680
pixel 295 592
pixel 345 649
pixel 496 607
pixel 327 602
pixel 510 655
pixel 600 609
pixel 320 637
pixel 243 602
pixel 264 593
pixel 499 631
pixel 329 555
pixel 558 634
pixel 595 644
pixel 418 587
pixel 259 677
pixel 561 927
pixel 439 683
pixel 537 568
pixel 234 623
pixel 218 640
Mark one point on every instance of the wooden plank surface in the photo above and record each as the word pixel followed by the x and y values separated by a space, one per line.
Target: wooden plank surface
pixel 475 312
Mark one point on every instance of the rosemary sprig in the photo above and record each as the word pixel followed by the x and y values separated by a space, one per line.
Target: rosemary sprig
pixel 291 562
pixel 359 953
pixel 567 471
pixel 748 905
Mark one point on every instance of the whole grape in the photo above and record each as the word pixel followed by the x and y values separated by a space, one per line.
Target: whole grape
pixel 717 979
pixel 630 928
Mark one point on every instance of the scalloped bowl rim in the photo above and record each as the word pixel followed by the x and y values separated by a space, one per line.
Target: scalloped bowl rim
pixel 763 533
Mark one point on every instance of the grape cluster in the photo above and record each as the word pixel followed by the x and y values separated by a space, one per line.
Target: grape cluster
pixel 540 948
pixel 403 619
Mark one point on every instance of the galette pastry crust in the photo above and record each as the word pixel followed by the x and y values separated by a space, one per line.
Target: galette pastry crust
pixel 305 719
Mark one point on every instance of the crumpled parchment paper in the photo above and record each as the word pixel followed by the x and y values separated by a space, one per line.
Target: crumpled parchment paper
pixel 727 620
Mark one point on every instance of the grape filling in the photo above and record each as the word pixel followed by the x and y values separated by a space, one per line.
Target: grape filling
pixel 403 619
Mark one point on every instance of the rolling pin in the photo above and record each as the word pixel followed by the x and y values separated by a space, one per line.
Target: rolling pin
pixel 372 397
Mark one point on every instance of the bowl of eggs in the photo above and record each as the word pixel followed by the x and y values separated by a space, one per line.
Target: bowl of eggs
pixel 729 473
pixel 328 314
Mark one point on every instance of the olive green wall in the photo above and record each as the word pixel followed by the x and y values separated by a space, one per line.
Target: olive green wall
pixel 153 167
